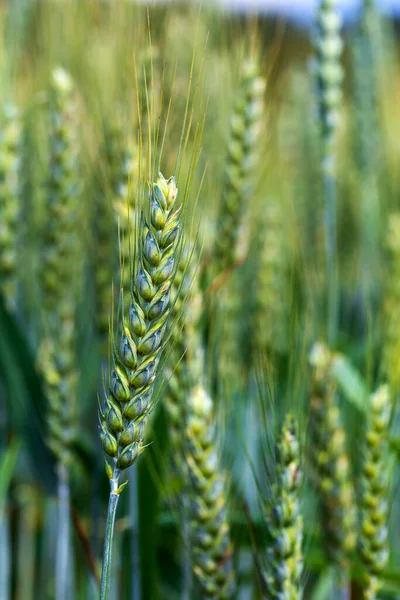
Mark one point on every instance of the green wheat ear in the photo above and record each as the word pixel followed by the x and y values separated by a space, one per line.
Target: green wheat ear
pixel 285 522
pixel 272 306
pixel 373 536
pixel 209 529
pixel 329 463
pixel 138 355
pixel 60 265
pixel 10 174
pixel 329 71
pixel 241 155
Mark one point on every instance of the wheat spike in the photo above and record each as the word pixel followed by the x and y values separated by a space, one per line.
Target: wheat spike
pixel 285 523
pixel 241 154
pixel 137 359
pixel 209 529
pixel 10 174
pixel 373 537
pixel 328 462
pixel 329 71
pixel 272 306
pixel 60 268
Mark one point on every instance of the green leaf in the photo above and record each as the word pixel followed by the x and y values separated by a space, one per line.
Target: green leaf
pixel 25 400
pixel 7 466
pixel 350 382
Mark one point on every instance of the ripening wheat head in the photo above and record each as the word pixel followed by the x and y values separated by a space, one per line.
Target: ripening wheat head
pixel 285 524
pixel 209 529
pixel 137 357
pixel 374 496
pixel 329 463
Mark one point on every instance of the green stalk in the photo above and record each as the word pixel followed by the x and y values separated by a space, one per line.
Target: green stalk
pixel 135 550
pixel 330 219
pixel 5 557
pixel 63 535
pixel 341 588
pixel 108 540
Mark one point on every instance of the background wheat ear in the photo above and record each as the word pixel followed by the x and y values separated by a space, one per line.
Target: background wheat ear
pixel 245 129
pixel 328 463
pixel 329 74
pixel 284 560
pixel 209 530
pixel 10 202
pixel 137 355
pixel 374 496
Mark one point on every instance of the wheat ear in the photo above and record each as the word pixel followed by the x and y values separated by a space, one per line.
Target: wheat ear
pixel 10 167
pixel 329 79
pixel 373 537
pixel 329 464
pixel 284 519
pixel 136 362
pixel 209 529
pixel 244 131
pixel 272 306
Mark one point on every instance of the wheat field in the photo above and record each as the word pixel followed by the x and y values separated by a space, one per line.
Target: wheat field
pixel 199 305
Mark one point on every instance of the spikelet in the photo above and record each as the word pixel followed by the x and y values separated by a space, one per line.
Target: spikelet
pixel 329 74
pixel 373 537
pixel 391 307
pixel 61 268
pixel 10 165
pixel 328 462
pixel 285 523
pixel 136 361
pixel 272 305
pixel 242 145
pixel 209 529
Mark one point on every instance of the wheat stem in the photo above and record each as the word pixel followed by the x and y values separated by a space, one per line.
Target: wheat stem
pixel 108 540
pixel 134 522
pixel 63 535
